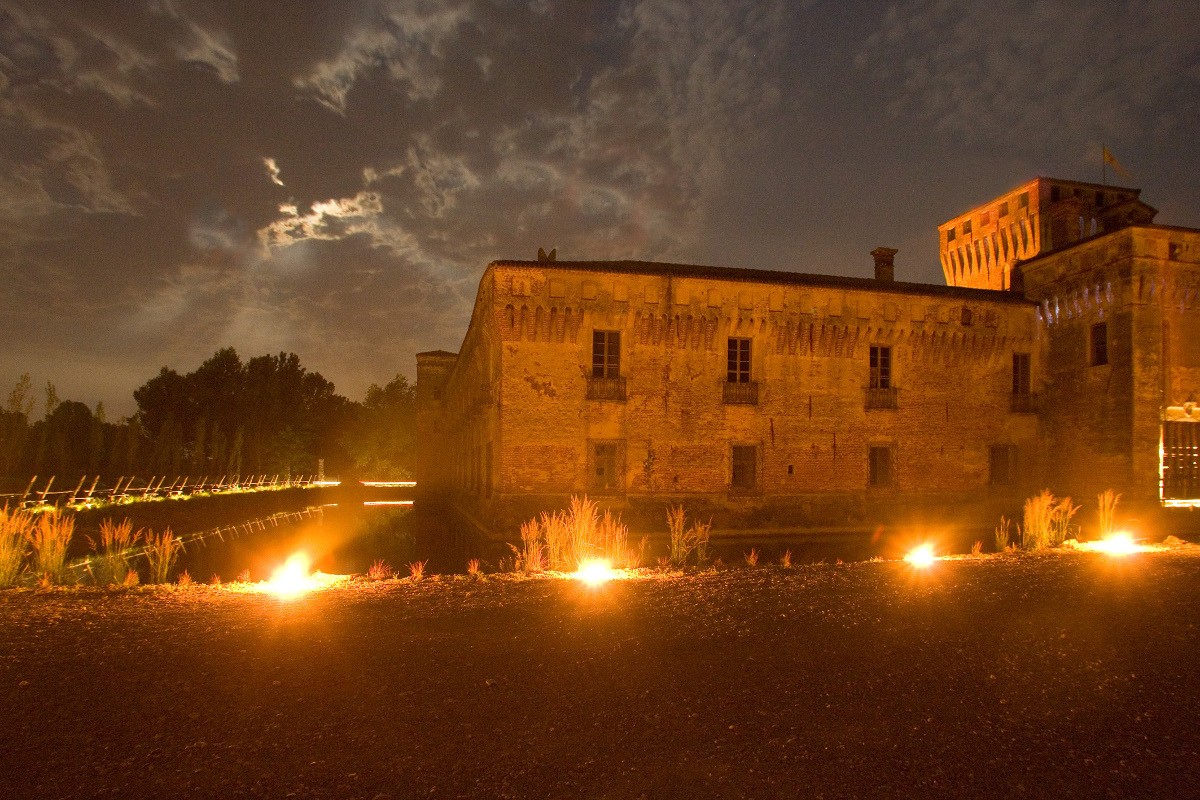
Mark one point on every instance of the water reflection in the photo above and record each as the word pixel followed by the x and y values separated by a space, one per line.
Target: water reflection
pixel 347 537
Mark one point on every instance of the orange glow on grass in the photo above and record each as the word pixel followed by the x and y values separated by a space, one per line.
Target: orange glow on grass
pixel 921 556
pixel 294 579
pixel 595 572
pixel 1120 543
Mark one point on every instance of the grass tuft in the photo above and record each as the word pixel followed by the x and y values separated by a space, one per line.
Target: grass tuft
pixel 380 570
pixel 112 550
pixel 752 558
pixel 416 570
pixel 785 560
pixel 473 568
pixel 184 579
pixel 977 548
pixel 162 550
pixel 1107 509
pixel 50 538
pixel 1047 520
pixel 15 527
pixel 561 541
pixel 685 540
pixel 1003 534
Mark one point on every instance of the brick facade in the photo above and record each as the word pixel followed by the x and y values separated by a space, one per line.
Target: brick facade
pixel 778 401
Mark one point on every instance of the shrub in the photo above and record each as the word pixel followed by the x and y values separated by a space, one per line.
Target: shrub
pixel 50 537
pixel 1107 503
pixel 162 550
pixel 112 551
pixel 15 527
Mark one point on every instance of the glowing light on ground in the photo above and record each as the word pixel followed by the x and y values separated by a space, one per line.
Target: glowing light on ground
pixel 326 483
pixel 921 556
pixel 1118 544
pixel 595 572
pixel 293 579
pixel 389 484
pixel 387 502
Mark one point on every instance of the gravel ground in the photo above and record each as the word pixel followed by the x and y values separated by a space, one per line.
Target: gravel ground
pixel 1063 675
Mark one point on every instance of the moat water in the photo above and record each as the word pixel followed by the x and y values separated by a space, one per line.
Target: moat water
pixel 351 534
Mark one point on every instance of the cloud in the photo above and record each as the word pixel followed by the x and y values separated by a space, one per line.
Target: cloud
pixel 199 44
pixel 273 171
pixel 401 40
pixel 1034 70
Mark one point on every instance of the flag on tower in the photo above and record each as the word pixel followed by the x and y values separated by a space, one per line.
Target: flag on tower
pixel 1109 158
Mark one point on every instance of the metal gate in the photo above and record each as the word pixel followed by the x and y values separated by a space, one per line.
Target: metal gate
pixel 1181 461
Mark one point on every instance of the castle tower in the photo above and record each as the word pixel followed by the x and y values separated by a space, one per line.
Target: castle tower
pixel 979 248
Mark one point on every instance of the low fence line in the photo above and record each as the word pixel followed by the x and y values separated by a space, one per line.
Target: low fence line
pixel 127 489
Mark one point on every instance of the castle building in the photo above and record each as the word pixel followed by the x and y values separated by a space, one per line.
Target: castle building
pixel 1064 352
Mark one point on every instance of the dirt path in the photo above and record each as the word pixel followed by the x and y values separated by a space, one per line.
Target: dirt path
pixel 1059 676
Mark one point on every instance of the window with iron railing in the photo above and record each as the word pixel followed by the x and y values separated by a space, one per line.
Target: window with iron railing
pixel 605 381
pixel 606 389
pixel 745 394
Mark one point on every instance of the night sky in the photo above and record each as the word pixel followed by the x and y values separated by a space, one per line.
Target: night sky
pixel 177 176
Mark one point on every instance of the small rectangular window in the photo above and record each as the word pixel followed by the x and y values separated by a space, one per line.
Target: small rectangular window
pixel 1099 344
pixel 1002 464
pixel 1099 198
pixel 605 470
pixel 606 354
pixel 1003 209
pixel 950 234
pixel 739 361
pixel 1020 373
pixel 1055 194
pixel 966 226
pixel 879 465
pixel 1023 200
pixel 881 367
pixel 745 468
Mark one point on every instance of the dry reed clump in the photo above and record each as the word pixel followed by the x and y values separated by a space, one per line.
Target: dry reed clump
pixel 15 527
pixel 380 570
pixel 416 570
pixel 562 540
pixel 112 550
pixel 752 558
pixel 1047 520
pixel 685 540
pixel 1107 509
pixel 473 568
pixel 50 538
pixel 162 550
pixel 1003 534
pixel 785 560
pixel 977 548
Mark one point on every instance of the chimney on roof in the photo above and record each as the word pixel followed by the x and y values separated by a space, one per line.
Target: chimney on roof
pixel 885 269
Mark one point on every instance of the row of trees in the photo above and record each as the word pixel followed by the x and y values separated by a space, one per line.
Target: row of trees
pixel 265 415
